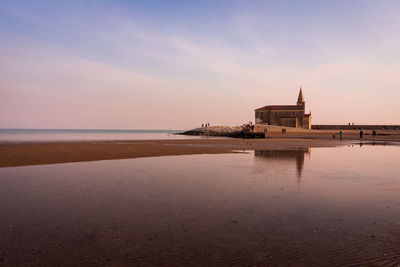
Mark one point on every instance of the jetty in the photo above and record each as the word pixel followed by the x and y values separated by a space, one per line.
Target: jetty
pixel 245 131
pixel 269 131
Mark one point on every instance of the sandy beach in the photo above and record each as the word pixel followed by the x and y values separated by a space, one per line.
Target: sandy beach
pixel 37 153
pixel 265 201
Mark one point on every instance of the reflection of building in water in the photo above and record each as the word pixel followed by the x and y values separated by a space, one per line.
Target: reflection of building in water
pixel 295 155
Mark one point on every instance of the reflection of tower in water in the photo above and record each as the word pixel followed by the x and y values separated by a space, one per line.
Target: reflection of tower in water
pixel 278 155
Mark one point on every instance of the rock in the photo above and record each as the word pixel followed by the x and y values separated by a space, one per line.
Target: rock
pixel 226 131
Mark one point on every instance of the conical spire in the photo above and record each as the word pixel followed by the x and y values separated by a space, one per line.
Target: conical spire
pixel 300 99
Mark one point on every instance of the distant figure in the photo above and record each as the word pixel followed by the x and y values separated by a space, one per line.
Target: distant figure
pixel 333 136
pixel 373 133
pixel 349 123
pixel 202 125
pixel 361 134
pixel 341 134
pixel 283 130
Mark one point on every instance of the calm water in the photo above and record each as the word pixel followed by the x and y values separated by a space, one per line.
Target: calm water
pixel 323 206
pixel 75 135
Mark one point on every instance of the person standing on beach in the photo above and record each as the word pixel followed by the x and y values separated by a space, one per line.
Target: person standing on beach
pixel 341 134
pixel 361 134
pixel 373 133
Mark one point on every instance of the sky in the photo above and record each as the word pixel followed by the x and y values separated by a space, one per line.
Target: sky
pixel 178 64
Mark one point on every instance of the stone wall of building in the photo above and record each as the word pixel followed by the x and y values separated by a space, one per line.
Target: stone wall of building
pixel 278 117
pixel 355 127
pixel 289 122
pixel 306 122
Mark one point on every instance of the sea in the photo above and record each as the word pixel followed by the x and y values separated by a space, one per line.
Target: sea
pixel 337 206
pixel 15 135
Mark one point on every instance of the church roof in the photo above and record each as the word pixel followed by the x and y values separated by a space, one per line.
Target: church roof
pixel 281 107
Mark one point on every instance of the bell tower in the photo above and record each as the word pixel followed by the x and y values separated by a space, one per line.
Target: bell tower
pixel 300 99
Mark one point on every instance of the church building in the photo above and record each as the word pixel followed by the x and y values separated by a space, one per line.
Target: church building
pixel 285 115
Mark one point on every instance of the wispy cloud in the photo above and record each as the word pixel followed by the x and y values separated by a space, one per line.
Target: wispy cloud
pixel 90 68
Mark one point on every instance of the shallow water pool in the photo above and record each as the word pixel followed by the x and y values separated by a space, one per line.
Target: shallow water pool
pixel 321 206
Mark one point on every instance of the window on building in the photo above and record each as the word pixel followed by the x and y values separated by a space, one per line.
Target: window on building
pixel 261 115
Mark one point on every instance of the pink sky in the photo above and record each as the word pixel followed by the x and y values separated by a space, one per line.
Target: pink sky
pixel 121 72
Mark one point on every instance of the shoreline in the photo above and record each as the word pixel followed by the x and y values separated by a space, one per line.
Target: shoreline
pixel 52 152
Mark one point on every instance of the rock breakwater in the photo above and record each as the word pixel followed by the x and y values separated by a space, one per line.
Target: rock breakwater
pixel 227 131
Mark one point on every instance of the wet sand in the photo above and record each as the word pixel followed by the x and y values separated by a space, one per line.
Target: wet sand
pixel 37 153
